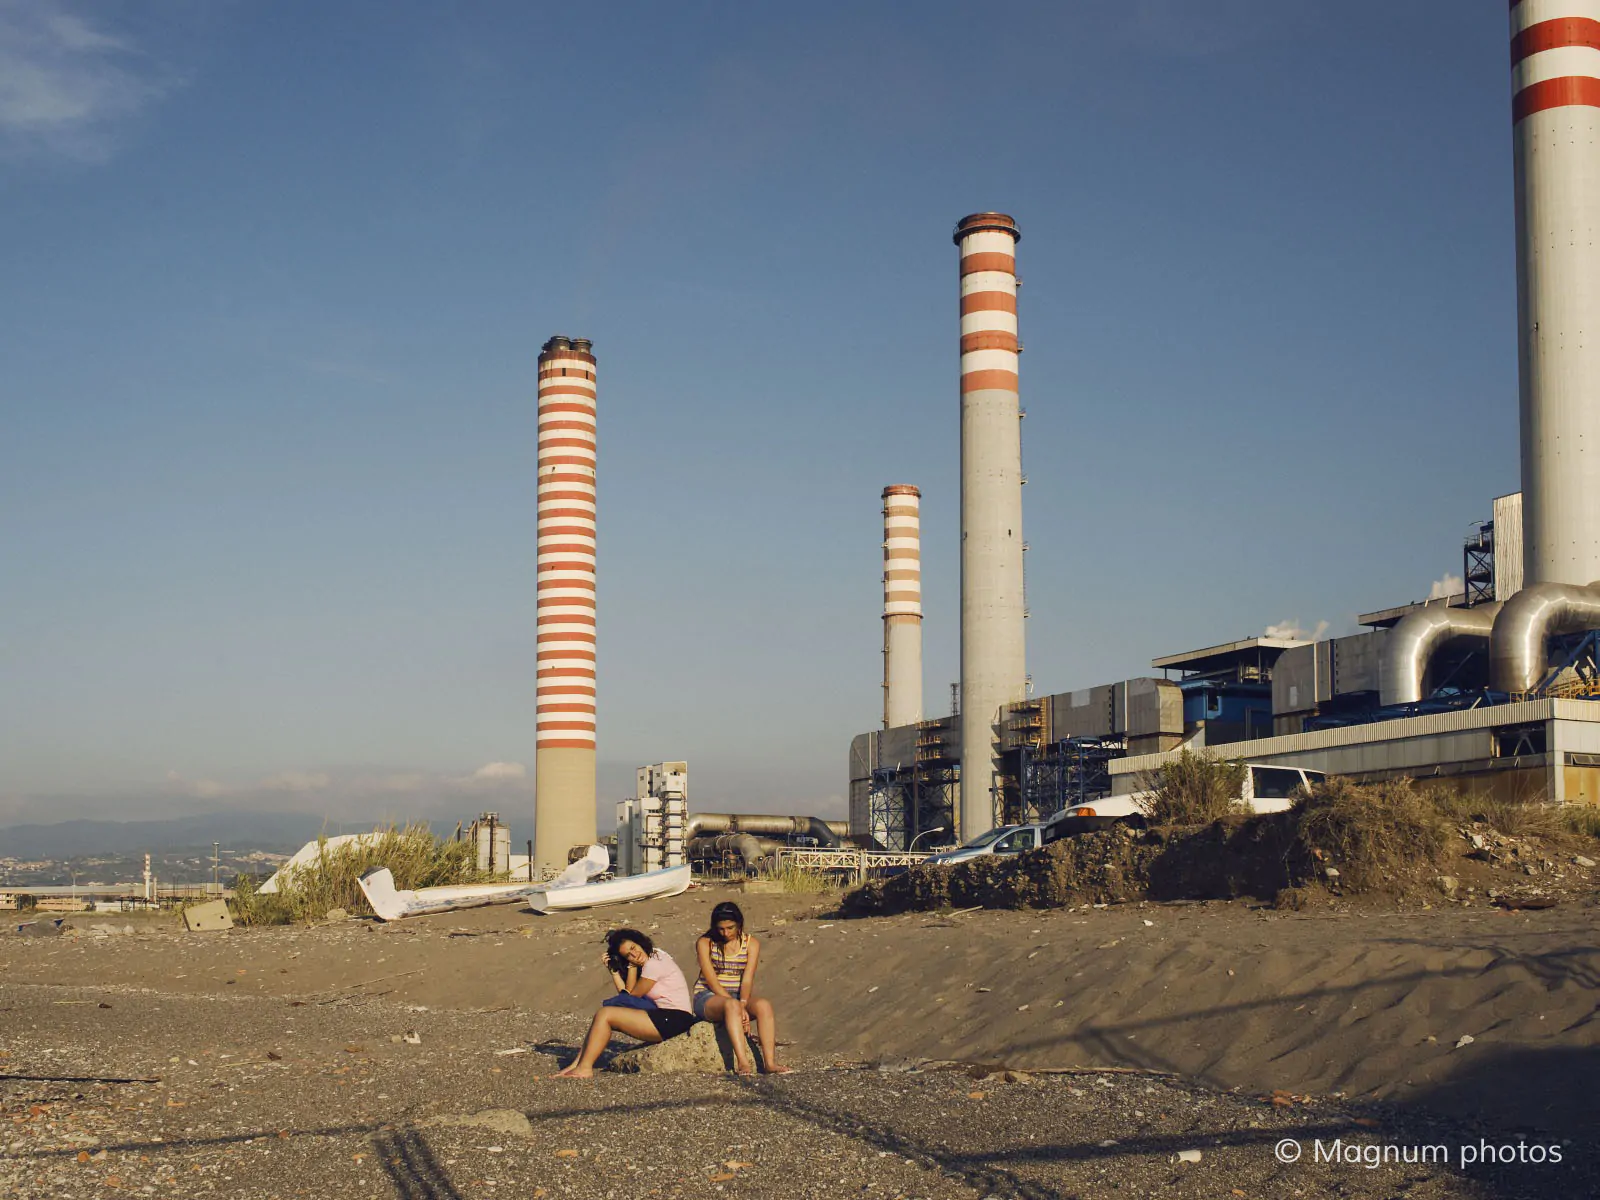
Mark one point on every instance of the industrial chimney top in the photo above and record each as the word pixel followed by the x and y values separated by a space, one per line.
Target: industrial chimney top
pixel 902 489
pixel 579 348
pixel 978 222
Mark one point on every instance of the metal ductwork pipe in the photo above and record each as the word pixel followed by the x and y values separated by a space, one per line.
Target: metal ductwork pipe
pixel 761 824
pixel 1527 622
pixel 749 848
pixel 1414 640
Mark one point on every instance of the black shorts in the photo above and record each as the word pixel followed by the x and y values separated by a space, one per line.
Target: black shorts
pixel 670 1022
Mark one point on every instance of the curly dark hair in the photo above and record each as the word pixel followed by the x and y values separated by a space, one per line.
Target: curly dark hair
pixel 614 941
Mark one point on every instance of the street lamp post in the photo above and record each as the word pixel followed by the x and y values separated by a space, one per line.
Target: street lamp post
pixel 923 834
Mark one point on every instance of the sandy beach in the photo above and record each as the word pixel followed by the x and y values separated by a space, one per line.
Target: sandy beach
pixel 283 1071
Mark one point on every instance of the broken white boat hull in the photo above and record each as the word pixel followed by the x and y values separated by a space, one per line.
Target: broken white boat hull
pixel 393 904
pixel 652 885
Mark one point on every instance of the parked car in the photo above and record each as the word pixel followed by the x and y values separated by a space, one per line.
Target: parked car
pixel 1005 839
pixel 1266 789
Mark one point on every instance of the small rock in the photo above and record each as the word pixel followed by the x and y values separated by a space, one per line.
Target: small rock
pixel 413 1038
pixel 336 914
pixel 1477 841
pixel 1448 884
pixel 1581 861
pixel 1466 1039
pixel 703 1050
pixel 1188 1156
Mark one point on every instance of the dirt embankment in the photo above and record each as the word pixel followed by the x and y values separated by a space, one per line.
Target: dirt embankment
pixel 1296 860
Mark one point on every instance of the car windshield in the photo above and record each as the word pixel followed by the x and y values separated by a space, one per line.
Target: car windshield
pixel 988 838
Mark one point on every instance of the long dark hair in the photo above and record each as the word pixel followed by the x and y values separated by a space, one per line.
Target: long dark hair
pixel 726 911
pixel 614 941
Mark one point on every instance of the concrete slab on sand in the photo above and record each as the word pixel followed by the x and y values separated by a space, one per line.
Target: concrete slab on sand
pixel 211 915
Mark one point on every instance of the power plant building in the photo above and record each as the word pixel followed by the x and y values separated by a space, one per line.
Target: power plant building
pixel 1493 688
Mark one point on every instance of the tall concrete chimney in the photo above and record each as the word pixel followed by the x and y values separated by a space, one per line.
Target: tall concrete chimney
pixel 902 605
pixel 564 786
pixel 1555 113
pixel 993 666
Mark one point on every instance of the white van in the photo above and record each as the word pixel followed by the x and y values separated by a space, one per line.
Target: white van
pixel 1266 789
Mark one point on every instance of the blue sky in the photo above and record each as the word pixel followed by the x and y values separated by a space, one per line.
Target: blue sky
pixel 276 277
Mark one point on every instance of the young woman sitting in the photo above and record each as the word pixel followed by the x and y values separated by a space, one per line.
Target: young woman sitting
pixel 639 973
pixel 726 990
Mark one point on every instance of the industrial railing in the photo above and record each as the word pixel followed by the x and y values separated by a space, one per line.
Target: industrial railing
pixel 857 863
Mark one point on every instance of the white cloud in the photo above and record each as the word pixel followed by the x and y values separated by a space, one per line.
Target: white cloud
pixel 501 770
pixel 1450 585
pixel 1291 630
pixel 67 83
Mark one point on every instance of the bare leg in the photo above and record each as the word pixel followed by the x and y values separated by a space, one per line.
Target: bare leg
pixel 767 1030
pixel 719 1011
pixel 630 1021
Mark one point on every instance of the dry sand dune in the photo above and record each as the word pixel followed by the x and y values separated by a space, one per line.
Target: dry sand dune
pixel 1370 1005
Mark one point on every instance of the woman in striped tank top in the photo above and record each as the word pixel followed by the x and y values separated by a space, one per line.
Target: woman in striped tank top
pixel 725 993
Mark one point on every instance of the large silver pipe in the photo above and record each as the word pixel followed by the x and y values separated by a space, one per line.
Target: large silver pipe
pixel 749 848
pixel 1414 640
pixel 761 824
pixel 1527 622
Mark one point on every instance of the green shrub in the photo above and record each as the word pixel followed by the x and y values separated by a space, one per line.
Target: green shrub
pixel 332 879
pixel 1196 789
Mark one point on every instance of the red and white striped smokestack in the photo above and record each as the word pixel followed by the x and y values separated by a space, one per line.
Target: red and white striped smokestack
pixel 993 667
pixel 564 763
pixel 1555 113
pixel 902 605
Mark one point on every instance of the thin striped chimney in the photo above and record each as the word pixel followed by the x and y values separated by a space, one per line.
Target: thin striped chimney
pixel 993 666
pixel 564 763
pixel 1555 114
pixel 902 605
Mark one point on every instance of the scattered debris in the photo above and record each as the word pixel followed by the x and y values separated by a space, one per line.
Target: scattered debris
pixel 1466 1039
pixel 1188 1156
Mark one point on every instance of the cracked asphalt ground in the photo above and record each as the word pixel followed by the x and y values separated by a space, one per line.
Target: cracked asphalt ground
pixel 110 1091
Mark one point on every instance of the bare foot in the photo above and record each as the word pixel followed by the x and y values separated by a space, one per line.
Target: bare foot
pixel 744 1066
pixel 777 1070
pixel 575 1072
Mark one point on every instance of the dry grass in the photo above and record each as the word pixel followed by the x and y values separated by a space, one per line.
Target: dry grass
pixel 1196 789
pixel 1528 816
pixel 800 882
pixel 331 880
pixel 1380 836
pixel 1581 819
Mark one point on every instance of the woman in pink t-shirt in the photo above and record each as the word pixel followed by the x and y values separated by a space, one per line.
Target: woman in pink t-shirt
pixel 648 976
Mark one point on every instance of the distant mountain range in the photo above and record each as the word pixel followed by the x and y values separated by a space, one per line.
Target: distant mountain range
pixel 273 831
